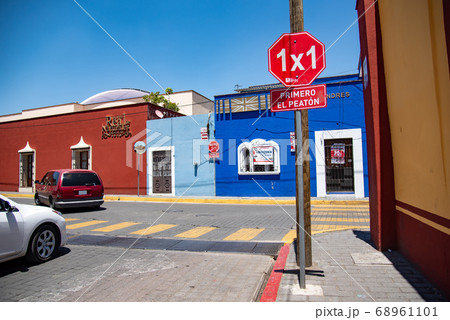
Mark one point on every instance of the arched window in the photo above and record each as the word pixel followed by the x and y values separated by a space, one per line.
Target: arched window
pixel 258 157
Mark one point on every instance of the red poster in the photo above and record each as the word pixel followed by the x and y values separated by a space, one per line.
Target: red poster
pixel 338 153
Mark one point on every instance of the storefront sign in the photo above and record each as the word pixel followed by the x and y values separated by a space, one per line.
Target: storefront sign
pixel 116 127
pixel 340 95
pixel 338 153
pixel 263 155
pixel 204 133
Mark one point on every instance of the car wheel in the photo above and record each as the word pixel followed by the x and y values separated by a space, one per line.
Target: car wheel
pixel 51 202
pixel 36 200
pixel 44 244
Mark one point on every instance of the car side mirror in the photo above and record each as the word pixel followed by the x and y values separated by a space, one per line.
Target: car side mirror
pixel 9 207
pixel 37 182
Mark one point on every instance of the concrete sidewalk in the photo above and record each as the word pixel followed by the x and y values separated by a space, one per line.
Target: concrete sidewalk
pixel 347 267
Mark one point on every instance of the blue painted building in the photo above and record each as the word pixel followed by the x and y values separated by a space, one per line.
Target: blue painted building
pixel 257 159
pixel 178 158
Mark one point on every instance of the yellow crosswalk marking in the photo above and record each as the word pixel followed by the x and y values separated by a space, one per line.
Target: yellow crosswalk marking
pixel 196 232
pixel 154 229
pixel 340 209
pixel 331 219
pixel 70 219
pixel 339 206
pixel 325 228
pixel 84 224
pixel 117 226
pixel 244 234
pixel 327 213
pixel 290 236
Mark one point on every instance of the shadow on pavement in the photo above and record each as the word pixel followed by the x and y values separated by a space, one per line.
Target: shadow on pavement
pixel 79 210
pixel 411 274
pixel 22 265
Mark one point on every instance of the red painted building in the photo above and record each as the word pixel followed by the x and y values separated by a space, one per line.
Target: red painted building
pixel 97 136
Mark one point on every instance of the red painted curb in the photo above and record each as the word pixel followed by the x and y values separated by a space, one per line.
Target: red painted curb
pixel 271 289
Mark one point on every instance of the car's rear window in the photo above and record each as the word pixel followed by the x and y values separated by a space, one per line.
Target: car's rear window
pixel 76 179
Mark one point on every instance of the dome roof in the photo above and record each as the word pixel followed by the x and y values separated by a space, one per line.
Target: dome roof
pixel 116 94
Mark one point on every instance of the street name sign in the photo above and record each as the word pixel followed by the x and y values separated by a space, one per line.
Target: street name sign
pixel 296 59
pixel 301 98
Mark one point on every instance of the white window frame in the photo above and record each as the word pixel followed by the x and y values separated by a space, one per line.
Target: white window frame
pixel 358 168
pixel 249 146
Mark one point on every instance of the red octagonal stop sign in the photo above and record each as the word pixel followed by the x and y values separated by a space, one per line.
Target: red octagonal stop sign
pixel 296 59
pixel 213 146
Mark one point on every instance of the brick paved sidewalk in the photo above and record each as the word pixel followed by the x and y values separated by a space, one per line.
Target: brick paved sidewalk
pixel 346 267
pixel 94 273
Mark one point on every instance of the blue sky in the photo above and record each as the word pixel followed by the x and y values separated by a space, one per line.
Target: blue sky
pixel 52 52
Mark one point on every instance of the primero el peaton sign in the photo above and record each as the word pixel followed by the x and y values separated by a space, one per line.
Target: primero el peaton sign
pixel 301 98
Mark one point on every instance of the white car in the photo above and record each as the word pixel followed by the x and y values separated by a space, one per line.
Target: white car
pixel 34 232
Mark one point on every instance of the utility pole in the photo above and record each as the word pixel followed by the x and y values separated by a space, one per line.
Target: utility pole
pixel 302 160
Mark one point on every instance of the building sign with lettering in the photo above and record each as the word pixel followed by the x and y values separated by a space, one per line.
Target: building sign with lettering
pixel 116 127
pixel 338 95
pixel 263 155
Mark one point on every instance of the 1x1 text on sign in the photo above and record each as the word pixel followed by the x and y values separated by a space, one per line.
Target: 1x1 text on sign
pixel 302 98
pixel 296 59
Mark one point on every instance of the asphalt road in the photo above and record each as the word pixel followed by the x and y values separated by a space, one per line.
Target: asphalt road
pixel 181 220
pixel 226 271
pixel 179 252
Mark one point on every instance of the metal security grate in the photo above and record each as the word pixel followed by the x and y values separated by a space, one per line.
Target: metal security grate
pixel 339 165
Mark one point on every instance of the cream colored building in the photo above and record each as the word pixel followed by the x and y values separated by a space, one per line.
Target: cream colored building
pixel 190 103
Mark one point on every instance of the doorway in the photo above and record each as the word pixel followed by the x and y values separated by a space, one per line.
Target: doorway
pixel 27 175
pixel 161 175
pixel 80 159
pixel 339 166
pixel 339 163
pixel 81 155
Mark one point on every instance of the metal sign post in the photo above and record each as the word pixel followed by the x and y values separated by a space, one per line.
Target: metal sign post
pixel 296 59
pixel 139 148
pixel 299 202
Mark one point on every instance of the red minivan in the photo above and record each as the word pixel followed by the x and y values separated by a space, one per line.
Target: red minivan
pixel 69 188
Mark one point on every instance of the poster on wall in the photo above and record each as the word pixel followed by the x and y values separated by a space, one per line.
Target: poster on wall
pixel 204 133
pixel 263 155
pixel 338 153
pixel 292 134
